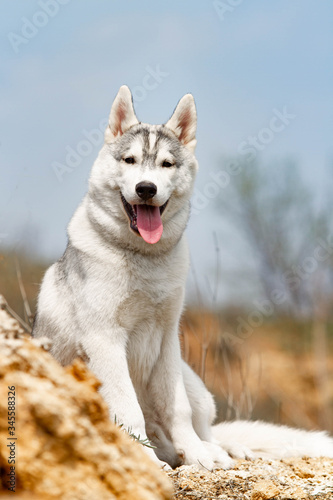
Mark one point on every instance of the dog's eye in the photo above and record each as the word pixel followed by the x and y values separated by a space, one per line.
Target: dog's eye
pixel 166 164
pixel 129 159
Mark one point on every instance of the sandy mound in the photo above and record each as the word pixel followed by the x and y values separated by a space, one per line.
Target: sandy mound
pixel 62 442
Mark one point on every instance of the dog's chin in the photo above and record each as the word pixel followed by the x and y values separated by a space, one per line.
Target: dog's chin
pixel 132 211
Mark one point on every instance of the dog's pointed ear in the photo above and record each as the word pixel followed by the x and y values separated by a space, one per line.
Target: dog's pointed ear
pixel 122 116
pixel 184 122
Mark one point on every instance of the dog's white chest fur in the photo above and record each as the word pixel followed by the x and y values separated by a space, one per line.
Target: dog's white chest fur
pixel 148 313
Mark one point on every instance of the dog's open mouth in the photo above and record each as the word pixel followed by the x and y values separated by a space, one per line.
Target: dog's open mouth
pixel 145 220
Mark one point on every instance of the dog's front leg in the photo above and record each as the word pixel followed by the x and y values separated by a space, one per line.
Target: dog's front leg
pixel 107 360
pixel 173 409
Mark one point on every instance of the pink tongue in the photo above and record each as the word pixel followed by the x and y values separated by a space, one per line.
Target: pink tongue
pixel 149 223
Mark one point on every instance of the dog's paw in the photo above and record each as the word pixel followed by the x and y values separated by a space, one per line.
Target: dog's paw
pixel 221 458
pixel 208 456
pixel 237 450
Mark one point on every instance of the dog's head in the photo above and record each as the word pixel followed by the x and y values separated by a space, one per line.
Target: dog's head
pixel 144 175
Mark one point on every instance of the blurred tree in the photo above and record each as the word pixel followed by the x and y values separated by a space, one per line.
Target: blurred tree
pixel 286 230
pixel 289 232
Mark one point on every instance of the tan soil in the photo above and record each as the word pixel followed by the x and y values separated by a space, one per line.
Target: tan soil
pixel 292 479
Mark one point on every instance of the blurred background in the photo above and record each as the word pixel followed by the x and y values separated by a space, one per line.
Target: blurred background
pixel 258 324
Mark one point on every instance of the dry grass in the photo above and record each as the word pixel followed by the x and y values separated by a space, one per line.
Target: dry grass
pixel 272 375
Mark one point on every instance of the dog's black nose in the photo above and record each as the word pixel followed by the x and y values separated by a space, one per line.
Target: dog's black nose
pixel 145 190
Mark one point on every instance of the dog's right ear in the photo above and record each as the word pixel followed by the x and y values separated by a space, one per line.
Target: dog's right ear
pixel 122 116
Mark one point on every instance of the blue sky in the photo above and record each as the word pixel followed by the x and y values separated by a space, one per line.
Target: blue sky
pixel 59 86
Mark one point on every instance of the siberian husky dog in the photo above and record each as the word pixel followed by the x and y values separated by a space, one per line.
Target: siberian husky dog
pixel 116 296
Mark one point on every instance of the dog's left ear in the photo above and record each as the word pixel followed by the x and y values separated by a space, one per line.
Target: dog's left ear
pixel 122 116
pixel 184 122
